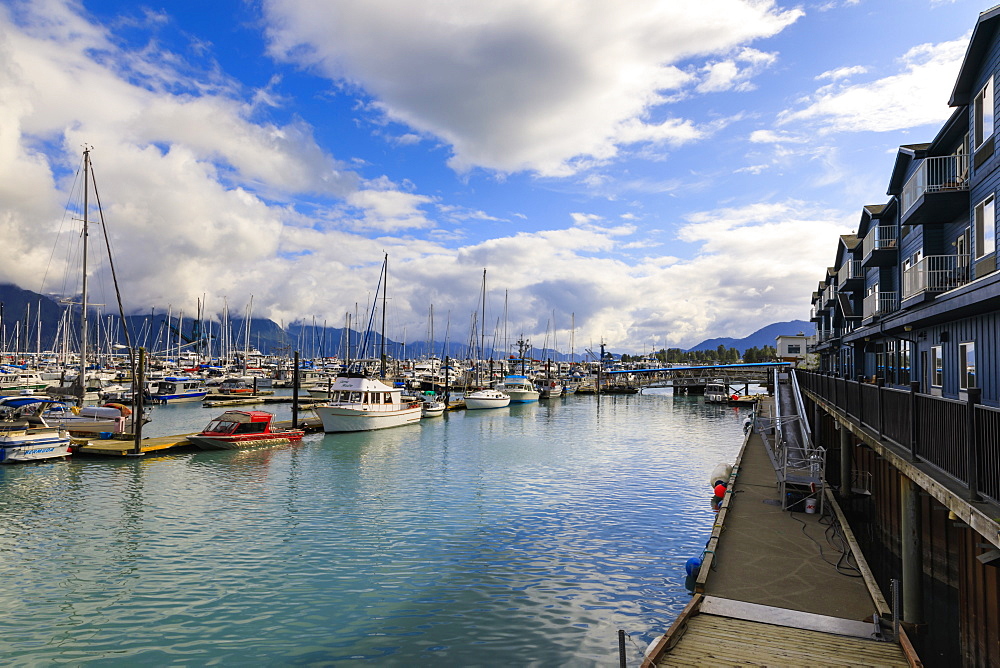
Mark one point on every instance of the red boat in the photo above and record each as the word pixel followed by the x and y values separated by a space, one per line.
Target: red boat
pixel 236 430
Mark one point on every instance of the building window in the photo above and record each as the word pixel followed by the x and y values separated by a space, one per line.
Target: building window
pixel 937 367
pixel 904 363
pixel 794 350
pixel 967 365
pixel 983 109
pixel 985 222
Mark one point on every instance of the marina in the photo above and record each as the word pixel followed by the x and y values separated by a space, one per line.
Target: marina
pixel 524 535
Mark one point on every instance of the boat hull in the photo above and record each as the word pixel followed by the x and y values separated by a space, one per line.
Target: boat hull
pixel 242 442
pixel 339 419
pixel 473 402
pixel 30 446
pixel 178 398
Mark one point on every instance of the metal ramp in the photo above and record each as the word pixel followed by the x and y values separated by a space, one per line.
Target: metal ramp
pixel 799 464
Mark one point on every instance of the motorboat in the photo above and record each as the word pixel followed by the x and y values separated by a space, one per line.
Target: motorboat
pixel 486 399
pixel 109 418
pixel 174 389
pixel 358 403
pixel 29 438
pixel 519 389
pixel 14 380
pixel 237 430
pixel 716 392
pixel 549 388
pixel 431 407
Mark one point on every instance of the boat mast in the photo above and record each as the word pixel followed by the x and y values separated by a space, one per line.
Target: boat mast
pixel 385 285
pixel 83 313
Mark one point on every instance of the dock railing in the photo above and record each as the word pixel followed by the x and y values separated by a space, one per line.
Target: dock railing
pixel 959 438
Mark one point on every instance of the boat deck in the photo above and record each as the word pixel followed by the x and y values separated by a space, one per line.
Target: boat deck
pixel 778 592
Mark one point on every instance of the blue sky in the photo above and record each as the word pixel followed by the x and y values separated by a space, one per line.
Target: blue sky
pixel 655 172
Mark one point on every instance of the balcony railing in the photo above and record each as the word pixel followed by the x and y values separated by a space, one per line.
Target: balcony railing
pixel 881 237
pixel 850 269
pixel 824 334
pixel 949 172
pixel 936 273
pixel 880 303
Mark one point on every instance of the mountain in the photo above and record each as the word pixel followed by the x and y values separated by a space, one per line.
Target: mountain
pixel 765 336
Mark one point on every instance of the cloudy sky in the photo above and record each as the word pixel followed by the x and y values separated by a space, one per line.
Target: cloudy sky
pixel 657 172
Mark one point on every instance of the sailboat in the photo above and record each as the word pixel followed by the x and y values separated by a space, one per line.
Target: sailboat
pixel 488 397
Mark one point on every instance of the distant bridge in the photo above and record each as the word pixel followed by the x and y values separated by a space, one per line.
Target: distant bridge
pixel 694 378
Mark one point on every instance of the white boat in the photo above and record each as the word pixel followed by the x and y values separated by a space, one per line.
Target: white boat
pixel 174 389
pixel 716 392
pixel 17 381
pixel 431 407
pixel 519 389
pixel 363 404
pixel 486 399
pixel 549 388
pixel 30 439
pixel 110 418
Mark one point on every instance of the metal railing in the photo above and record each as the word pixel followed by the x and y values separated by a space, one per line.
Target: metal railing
pixel 880 237
pixel 936 273
pixel 848 270
pixel 939 174
pixel 880 303
pixel 959 438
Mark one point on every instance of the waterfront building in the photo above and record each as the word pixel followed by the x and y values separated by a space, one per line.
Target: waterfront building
pixel 908 394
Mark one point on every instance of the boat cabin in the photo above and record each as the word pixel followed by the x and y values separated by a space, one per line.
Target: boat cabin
pixel 240 422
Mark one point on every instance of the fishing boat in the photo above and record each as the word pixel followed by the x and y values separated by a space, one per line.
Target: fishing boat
pixel 14 380
pixel 519 389
pixel 236 430
pixel 174 389
pixel 549 388
pixel 716 392
pixel 486 399
pixel 358 403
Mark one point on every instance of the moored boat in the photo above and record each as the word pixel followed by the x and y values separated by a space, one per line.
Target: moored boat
pixel 519 389
pixel 716 393
pixel 236 430
pixel 486 399
pixel 431 407
pixel 174 389
pixel 363 404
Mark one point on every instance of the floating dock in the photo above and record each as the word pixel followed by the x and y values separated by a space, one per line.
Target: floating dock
pixel 765 594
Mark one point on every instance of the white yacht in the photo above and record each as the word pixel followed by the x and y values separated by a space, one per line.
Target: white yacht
pixel 363 404
pixel 519 389
pixel 486 399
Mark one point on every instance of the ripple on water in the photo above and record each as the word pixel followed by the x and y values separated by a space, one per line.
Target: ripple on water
pixel 524 536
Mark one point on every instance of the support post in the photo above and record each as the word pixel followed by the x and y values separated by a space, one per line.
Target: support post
pixel 861 401
pixel 138 389
pixel 845 462
pixel 972 439
pixel 880 383
pixel 295 392
pixel 911 544
pixel 914 435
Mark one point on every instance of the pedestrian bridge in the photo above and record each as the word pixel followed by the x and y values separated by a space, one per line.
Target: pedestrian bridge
pixel 694 378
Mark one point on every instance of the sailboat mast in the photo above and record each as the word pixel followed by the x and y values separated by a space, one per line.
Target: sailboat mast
pixel 83 312
pixel 385 285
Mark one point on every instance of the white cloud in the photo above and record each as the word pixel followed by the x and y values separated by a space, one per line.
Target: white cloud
pixel 842 73
pixel 773 137
pixel 530 84
pixel 917 95
pixel 735 73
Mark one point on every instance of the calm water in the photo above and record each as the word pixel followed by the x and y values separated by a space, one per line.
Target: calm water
pixel 521 536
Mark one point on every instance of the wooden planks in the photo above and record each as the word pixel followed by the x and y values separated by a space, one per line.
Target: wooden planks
pixel 712 640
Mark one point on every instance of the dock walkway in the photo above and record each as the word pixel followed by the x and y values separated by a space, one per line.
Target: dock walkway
pixel 775 587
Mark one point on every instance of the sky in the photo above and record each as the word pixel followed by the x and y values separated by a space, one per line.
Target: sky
pixel 648 174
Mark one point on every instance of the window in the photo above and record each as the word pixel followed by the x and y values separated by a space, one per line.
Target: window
pixel 983 110
pixel 985 222
pixel 937 367
pixel 794 349
pixel 967 365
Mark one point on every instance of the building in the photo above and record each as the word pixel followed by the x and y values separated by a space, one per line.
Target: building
pixel 793 349
pixel 908 394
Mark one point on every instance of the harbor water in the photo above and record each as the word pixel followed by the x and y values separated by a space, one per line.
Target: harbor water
pixel 520 536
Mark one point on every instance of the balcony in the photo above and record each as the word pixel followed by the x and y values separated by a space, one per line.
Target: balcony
pixel 936 273
pixel 850 276
pixel 879 247
pixel 937 191
pixel 880 303
pixel 823 335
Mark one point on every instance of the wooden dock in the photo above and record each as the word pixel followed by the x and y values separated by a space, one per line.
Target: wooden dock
pixel 766 596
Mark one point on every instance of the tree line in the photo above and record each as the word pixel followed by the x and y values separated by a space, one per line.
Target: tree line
pixel 720 355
